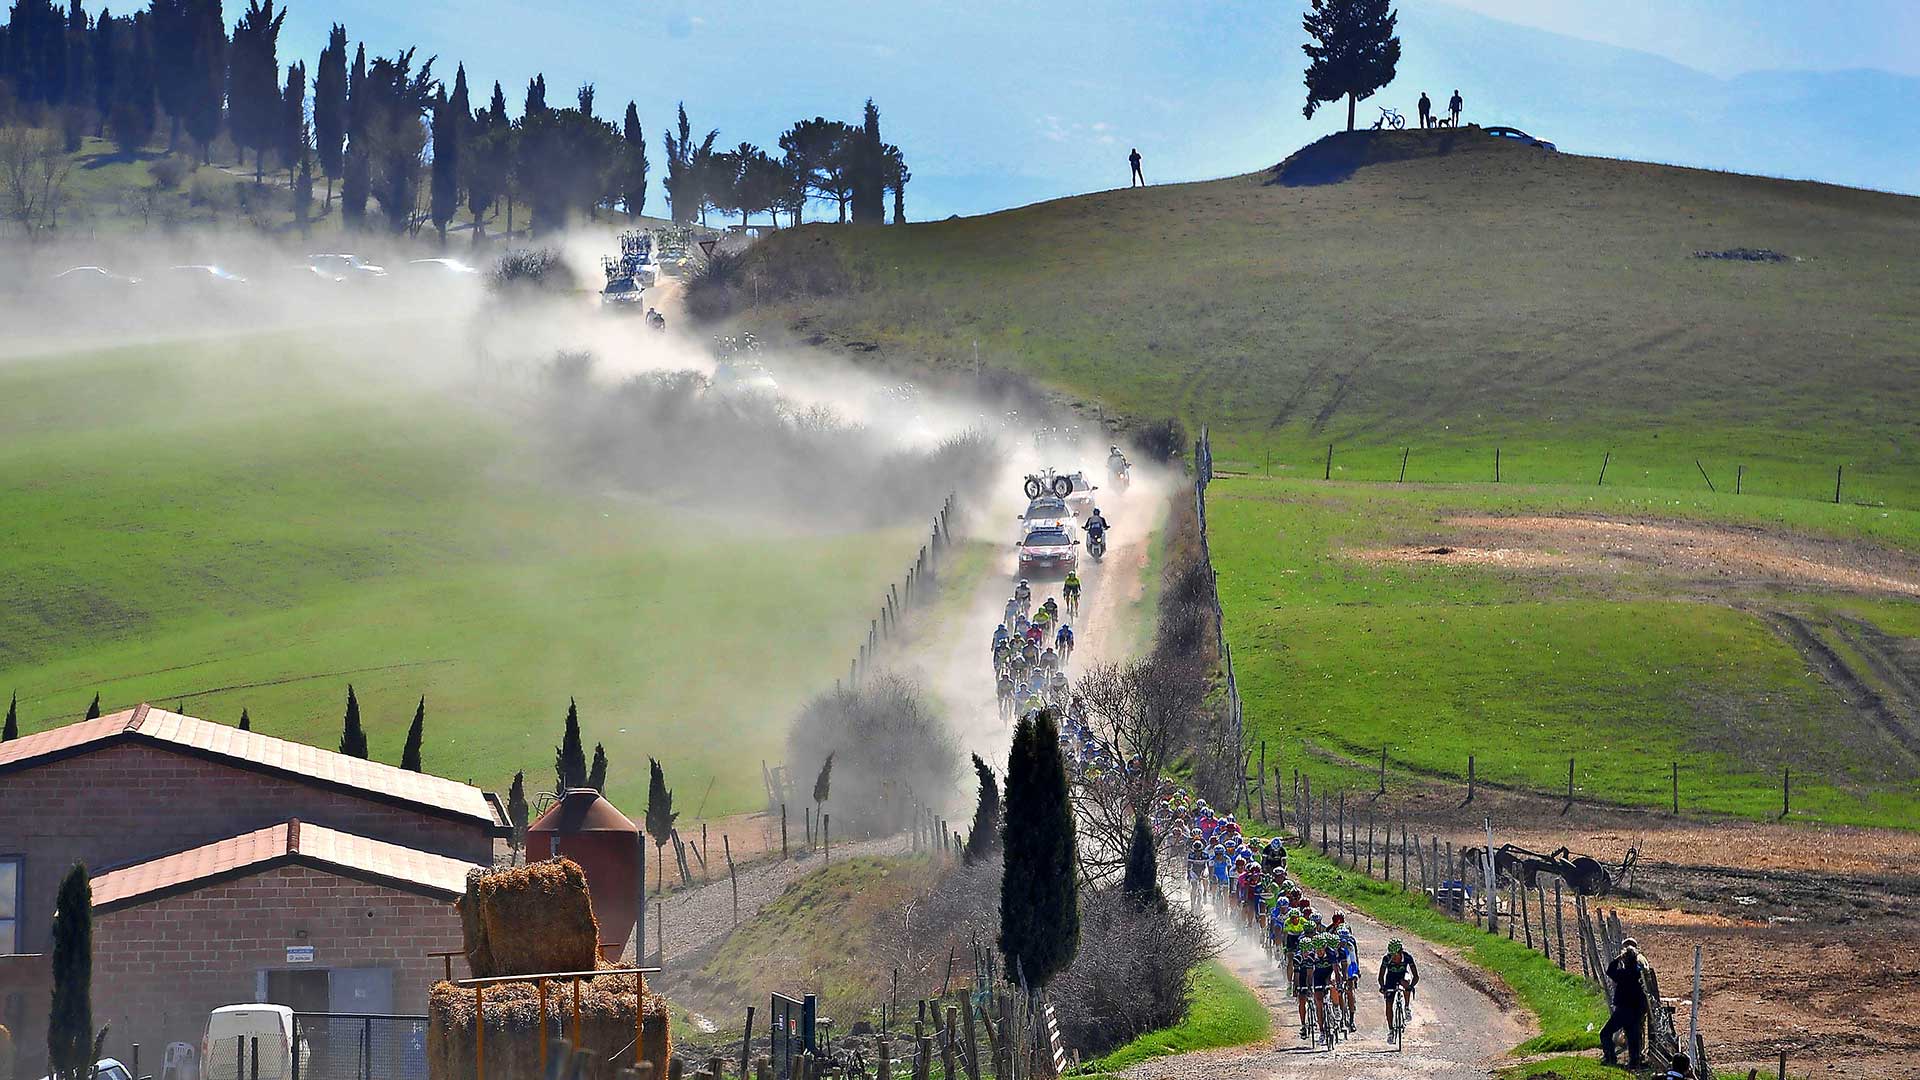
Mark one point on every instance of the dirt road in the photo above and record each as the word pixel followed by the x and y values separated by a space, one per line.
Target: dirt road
pixel 1462 1023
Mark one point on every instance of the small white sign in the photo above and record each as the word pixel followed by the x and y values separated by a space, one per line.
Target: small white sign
pixel 299 954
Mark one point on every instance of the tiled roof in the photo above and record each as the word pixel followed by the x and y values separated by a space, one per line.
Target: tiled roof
pixel 290 842
pixel 299 761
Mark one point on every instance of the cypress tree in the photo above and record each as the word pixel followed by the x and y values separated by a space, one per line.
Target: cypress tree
pixel 869 171
pixel 570 758
pixel 356 167
pixel 536 102
pixel 291 133
pixel 206 74
pixel 1142 878
pixel 444 189
pixel 823 783
pixel 246 722
pixel 256 110
pixel 11 730
pixel 597 774
pixel 105 65
pixel 93 710
pixel 984 838
pixel 633 191
pixel 1039 893
pixel 353 740
pixel 303 190
pixel 660 816
pixel 517 809
pixel 70 1019
pixel 330 108
pixel 410 755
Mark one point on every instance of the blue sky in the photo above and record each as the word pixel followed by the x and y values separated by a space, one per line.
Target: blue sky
pixel 1003 102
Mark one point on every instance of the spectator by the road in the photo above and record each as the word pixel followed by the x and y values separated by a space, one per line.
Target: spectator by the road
pixel 1426 110
pixel 1628 973
pixel 1680 1068
pixel 1133 159
pixel 1453 107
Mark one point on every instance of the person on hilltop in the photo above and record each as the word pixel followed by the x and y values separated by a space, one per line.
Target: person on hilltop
pixel 1453 108
pixel 1628 973
pixel 1139 179
pixel 1426 111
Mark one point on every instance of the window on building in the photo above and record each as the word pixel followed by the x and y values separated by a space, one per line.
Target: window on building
pixel 10 875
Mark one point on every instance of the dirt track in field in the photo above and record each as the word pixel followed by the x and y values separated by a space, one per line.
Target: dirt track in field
pixel 1714 556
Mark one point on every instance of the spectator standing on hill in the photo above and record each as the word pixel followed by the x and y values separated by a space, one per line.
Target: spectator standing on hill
pixel 1139 180
pixel 1453 107
pixel 1426 111
pixel 1628 973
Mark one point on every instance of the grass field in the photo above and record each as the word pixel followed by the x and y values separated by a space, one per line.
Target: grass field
pixel 1222 1012
pixel 1448 293
pixel 1338 657
pixel 256 523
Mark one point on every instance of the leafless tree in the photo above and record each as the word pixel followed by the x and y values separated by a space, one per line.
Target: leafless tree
pixel 1132 973
pixel 34 167
pixel 1143 710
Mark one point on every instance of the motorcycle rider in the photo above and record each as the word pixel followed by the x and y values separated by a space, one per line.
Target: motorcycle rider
pixel 1097 527
pixel 1116 461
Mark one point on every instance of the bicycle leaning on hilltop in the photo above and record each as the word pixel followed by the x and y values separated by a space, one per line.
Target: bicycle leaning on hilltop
pixel 1390 118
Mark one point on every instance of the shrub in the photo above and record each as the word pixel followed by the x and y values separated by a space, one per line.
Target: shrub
pixel 1162 440
pixel 1133 972
pixel 167 172
pixel 529 271
pixel 205 190
pixel 887 749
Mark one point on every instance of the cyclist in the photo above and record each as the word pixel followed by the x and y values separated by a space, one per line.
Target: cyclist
pixel 1301 960
pixel 1196 861
pixel 1275 855
pixel 1058 685
pixel 1346 973
pixel 1398 973
pixel 1063 641
pixel 1325 960
pixel 1023 593
pixel 1050 659
pixel 1070 590
pixel 1052 608
pixel 1013 610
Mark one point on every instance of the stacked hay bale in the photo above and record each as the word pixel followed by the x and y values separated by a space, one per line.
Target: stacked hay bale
pixel 537 920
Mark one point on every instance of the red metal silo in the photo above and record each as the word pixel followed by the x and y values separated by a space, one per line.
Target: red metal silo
pixel 586 828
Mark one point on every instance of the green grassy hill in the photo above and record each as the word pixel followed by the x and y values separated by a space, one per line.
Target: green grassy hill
pixel 1451 293
pixel 1449 296
pixel 256 522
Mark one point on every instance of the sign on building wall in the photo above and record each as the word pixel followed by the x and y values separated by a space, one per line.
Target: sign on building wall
pixel 299 954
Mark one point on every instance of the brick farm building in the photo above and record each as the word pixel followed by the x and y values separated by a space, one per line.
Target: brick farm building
pixel 229 867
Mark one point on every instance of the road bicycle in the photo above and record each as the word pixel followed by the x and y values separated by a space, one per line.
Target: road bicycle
pixel 1390 118
pixel 1399 1015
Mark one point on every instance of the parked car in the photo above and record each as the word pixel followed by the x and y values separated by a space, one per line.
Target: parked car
pixel 452 268
pixel 1049 551
pixel 1516 133
pixel 204 274
pixel 94 277
pixel 226 1051
pixel 345 267
pixel 108 1069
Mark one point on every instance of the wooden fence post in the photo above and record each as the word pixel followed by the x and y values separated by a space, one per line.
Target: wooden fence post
pixel 1470 781
pixel 733 877
pixel 783 830
pixel 1403 856
pixel 1559 923
pixel 1383 772
pixel 973 1042
pixel 1340 828
pixel 1356 835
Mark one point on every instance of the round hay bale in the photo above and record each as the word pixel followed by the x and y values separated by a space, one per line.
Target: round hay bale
pixel 607 1007
pixel 533 920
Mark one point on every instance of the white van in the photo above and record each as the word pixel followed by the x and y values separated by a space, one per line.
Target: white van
pixel 226 1053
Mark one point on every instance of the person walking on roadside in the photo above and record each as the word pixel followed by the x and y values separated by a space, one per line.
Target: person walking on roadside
pixel 1453 108
pixel 1628 973
pixel 1139 179
pixel 1426 111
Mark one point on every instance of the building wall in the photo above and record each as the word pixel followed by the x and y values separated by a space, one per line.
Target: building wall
pixel 129 803
pixel 159 968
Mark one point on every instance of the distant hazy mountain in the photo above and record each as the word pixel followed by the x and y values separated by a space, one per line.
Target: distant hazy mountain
pixel 1004 102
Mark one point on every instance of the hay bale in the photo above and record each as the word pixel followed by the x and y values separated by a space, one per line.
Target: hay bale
pixel 531 920
pixel 473 930
pixel 607 1007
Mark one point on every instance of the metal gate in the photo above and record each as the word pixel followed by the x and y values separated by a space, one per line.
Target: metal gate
pixel 791 1031
pixel 359 1046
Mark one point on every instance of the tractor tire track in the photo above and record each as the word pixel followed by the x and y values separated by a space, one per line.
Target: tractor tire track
pixel 1838 674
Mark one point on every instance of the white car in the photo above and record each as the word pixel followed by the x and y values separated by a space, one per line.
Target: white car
pixel 205 274
pixel 344 267
pixel 94 276
pixel 1047 511
pixel 1048 551
pixel 452 268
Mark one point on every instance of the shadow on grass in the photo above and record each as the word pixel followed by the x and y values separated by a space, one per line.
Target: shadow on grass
pixel 1338 156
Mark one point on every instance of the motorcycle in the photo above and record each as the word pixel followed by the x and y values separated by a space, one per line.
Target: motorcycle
pixel 1097 545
